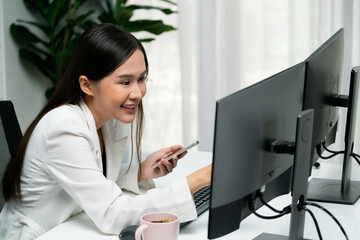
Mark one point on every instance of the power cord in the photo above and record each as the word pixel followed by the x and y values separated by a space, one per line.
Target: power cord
pixel 330 214
pixel 334 153
pixel 315 221
pixel 331 151
pixel 251 204
pixel 356 157
pixel 287 210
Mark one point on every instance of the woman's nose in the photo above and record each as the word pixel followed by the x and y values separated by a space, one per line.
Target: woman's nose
pixel 135 92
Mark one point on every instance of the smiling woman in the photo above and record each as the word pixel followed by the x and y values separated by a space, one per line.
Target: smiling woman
pixel 118 94
pixel 71 156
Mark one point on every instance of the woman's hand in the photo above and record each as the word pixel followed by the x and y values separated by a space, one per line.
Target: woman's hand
pixel 146 171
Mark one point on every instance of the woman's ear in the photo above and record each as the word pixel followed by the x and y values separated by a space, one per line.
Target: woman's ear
pixel 85 85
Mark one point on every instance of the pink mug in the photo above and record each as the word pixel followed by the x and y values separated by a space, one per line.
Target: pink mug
pixel 158 226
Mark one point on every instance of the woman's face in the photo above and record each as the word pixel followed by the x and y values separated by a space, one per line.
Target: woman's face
pixel 117 95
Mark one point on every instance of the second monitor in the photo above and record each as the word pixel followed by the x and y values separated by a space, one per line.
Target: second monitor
pixel 247 123
pixel 323 76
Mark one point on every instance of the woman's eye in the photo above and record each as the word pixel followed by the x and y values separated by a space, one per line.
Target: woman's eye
pixel 142 79
pixel 125 83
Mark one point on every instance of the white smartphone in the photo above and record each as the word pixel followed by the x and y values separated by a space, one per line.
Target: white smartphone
pixel 178 152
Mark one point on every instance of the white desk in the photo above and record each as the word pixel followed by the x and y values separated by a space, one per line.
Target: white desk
pixel 81 227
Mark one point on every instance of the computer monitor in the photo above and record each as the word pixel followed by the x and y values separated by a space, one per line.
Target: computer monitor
pixel 247 123
pixel 350 189
pixel 323 76
pixel 323 73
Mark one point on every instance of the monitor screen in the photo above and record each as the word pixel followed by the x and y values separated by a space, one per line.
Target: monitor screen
pixel 245 123
pixel 323 75
pixel 322 80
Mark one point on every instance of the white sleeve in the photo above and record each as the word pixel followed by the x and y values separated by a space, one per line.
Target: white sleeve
pixel 72 162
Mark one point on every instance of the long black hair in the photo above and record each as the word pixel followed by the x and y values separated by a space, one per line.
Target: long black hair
pixel 98 52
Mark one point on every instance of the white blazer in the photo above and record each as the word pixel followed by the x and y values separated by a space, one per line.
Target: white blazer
pixel 62 175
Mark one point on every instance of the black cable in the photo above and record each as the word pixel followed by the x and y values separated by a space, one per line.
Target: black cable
pixel 356 157
pixel 252 209
pixel 324 157
pixel 334 153
pixel 269 217
pixel 260 196
pixel 330 214
pixel 315 221
pixel 287 210
pixel 270 207
pixel 331 151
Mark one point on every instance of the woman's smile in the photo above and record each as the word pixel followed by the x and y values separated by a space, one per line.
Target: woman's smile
pixel 130 108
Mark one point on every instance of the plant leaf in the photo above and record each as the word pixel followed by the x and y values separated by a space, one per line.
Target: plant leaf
pixel 40 51
pixel 41 6
pixel 107 6
pixel 146 39
pixel 105 18
pixel 40 63
pixel 156 27
pixel 78 20
pixel 118 9
pixel 78 3
pixel 124 15
pixel 21 33
pixel 57 40
pixel 85 25
pixel 57 10
pixel 42 27
pixel 167 11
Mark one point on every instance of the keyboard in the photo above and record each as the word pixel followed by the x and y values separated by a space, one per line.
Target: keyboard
pixel 202 202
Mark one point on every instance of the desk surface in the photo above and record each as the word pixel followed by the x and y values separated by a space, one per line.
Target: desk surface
pixel 81 227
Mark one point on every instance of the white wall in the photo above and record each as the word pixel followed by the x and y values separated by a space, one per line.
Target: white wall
pixel 22 83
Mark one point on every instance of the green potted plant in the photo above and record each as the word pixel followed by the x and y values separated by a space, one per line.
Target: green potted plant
pixel 62 21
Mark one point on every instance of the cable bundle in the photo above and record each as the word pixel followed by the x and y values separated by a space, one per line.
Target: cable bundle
pixel 287 210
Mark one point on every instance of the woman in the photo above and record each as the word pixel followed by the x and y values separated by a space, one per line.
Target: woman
pixel 71 157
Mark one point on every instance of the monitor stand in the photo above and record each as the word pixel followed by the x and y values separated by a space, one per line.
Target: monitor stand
pixel 342 191
pixel 300 178
pixel 329 190
pixel 269 236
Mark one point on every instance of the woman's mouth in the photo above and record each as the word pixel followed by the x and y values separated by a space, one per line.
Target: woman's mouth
pixel 129 108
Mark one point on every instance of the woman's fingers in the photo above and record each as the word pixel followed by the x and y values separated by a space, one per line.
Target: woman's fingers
pixel 168 166
pixel 182 155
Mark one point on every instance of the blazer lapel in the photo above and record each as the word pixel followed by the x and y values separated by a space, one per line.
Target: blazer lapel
pixel 92 127
pixel 115 143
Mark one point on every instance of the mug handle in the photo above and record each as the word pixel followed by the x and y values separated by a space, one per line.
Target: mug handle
pixel 139 231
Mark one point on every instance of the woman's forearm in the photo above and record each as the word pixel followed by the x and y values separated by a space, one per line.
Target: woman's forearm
pixel 199 179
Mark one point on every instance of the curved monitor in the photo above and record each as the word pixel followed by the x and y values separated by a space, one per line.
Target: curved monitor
pixel 323 75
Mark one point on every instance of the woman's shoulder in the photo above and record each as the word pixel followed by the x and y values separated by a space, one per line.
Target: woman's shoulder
pixel 65 111
pixel 64 117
